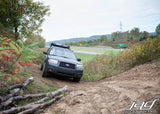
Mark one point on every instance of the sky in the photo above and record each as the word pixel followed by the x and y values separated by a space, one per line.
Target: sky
pixel 84 18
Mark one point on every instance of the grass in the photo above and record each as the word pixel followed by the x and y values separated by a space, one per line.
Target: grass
pixel 112 53
pixel 38 86
pixel 100 67
pixel 104 47
pixel 85 57
pixel 103 66
pixel 35 87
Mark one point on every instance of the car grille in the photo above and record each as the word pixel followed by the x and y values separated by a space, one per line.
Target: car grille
pixel 67 65
pixel 60 72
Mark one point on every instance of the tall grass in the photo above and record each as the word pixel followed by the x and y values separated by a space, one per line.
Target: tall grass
pixel 105 66
pixel 140 53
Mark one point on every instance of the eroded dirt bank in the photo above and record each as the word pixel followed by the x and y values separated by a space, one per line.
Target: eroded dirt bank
pixel 109 96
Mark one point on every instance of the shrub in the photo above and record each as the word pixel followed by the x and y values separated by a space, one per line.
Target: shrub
pixel 14 55
pixel 39 57
pixel 104 66
pixel 140 53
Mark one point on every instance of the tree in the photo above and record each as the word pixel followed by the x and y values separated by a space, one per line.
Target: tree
pixel 158 30
pixel 103 39
pixel 125 35
pixel 143 35
pixel 36 38
pixel 114 36
pixel 134 33
pixel 24 17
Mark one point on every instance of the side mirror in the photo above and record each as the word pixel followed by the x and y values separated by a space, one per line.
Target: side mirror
pixel 78 59
pixel 45 52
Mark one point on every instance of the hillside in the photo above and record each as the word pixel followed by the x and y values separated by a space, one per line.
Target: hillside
pixel 77 39
pixel 84 39
pixel 109 96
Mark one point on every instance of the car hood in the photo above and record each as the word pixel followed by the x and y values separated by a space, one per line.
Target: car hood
pixel 67 60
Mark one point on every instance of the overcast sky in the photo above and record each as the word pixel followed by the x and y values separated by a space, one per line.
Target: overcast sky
pixel 83 18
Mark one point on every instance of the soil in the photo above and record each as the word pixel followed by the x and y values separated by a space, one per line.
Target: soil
pixel 108 96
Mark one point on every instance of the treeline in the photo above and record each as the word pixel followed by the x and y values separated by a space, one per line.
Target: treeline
pixel 133 35
pixel 22 19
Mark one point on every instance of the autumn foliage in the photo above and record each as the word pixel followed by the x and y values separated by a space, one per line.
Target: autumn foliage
pixel 14 56
pixel 104 66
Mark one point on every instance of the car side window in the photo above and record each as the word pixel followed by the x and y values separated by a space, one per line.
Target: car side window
pixel 49 50
pixel 52 51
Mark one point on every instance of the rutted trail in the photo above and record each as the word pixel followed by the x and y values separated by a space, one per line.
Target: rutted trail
pixel 109 96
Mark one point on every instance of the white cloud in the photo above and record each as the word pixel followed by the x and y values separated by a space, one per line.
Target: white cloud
pixel 76 18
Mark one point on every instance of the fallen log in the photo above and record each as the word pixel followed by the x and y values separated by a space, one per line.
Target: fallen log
pixel 20 85
pixel 30 108
pixel 16 86
pixel 12 93
pixel 41 106
pixel 52 94
pixel 25 83
pixel 22 97
pixel 48 95
pixel 16 89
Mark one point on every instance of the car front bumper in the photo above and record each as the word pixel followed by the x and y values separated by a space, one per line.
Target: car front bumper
pixel 73 73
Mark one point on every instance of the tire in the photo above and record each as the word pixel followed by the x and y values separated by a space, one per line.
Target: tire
pixel 44 73
pixel 77 79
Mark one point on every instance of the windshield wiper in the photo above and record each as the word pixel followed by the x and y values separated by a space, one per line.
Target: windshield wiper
pixel 64 56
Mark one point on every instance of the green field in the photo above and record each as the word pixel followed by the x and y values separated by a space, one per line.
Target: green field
pixel 104 47
pixel 84 57
pixel 87 57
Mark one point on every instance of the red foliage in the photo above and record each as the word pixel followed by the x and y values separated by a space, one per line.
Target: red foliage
pixel 9 56
pixel 18 80
pixel 16 70
pixel 25 64
pixel 5 57
pixel 29 64
pixel 22 64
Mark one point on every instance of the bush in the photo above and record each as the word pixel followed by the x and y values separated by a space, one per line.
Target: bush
pixel 39 57
pixel 104 66
pixel 14 55
pixel 140 53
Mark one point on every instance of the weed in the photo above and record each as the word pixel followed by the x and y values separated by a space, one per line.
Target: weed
pixel 105 66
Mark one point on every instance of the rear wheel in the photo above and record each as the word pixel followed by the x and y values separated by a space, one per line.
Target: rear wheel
pixel 44 73
pixel 77 79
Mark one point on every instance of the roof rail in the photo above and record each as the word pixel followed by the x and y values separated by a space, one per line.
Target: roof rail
pixel 62 46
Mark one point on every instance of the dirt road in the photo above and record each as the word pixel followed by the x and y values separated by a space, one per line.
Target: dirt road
pixel 109 96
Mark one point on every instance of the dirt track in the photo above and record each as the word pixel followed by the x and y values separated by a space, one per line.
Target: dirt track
pixel 109 96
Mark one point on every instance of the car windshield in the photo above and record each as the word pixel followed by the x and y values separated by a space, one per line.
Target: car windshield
pixel 61 52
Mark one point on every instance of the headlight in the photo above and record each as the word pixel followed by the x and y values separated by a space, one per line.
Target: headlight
pixel 53 61
pixel 79 66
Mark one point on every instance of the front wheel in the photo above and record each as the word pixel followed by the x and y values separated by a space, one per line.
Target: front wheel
pixel 44 73
pixel 77 79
